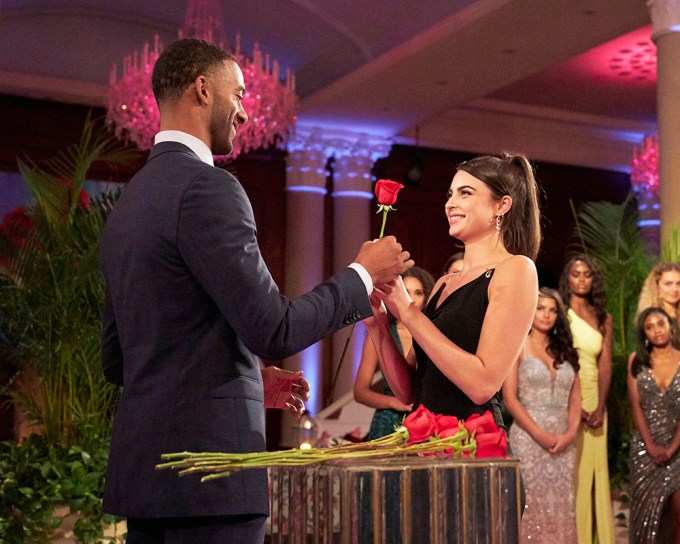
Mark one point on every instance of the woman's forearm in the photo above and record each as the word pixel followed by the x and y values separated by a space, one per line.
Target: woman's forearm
pixel 522 417
pixel 394 366
pixel 574 408
pixel 373 399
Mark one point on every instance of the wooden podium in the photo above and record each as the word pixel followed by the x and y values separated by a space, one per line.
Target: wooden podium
pixel 397 500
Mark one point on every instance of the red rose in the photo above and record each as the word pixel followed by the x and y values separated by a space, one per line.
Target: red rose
pixel 484 423
pixel 446 425
pixel 84 201
pixel 386 190
pixel 493 444
pixel 16 226
pixel 421 425
pixel 18 220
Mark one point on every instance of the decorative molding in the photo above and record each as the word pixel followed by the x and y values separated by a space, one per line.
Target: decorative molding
pixel 352 176
pixel 339 142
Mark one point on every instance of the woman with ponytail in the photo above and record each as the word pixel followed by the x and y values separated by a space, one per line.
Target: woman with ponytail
pixel 471 332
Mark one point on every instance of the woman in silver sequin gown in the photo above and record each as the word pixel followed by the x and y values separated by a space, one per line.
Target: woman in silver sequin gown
pixel 654 391
pixel 543 395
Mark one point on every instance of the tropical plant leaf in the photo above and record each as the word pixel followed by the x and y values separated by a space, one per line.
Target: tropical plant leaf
pixel 609 233
pixel 57 184
pixel 52 294
pixel 670 249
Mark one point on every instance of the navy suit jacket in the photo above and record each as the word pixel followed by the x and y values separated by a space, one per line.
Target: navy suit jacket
pixel 189 300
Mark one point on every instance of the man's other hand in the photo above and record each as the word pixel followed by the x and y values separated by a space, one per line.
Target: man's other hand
pixel 285 390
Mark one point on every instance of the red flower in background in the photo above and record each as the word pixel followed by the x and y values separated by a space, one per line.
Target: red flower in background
pixel 16 226
pixel 386 191
pixel 84 201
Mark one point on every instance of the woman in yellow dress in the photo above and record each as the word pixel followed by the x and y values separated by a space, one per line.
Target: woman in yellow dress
pixel 582 289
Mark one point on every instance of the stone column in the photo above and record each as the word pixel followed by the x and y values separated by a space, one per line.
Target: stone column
pixel 666 21
pixel 304 258
pixel 306 239
pixel 649 223
pixel 355 155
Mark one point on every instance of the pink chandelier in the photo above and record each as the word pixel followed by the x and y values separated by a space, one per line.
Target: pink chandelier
pixel 270 103
pixel 644 170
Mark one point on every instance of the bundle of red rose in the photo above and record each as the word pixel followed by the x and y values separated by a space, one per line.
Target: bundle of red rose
pixel 422 433
pixel 490 441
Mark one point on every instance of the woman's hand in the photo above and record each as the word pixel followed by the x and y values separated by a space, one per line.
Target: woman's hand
pixel 584 417
pixel 595 419
pixel 378 308
pixel 395 296
pixel 399 406
pixel 562 443
pixel 670 451
pixel 546 440
pixel 659 454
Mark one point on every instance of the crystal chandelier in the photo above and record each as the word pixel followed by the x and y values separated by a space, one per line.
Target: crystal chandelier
pixel 270 103
pixel 644 170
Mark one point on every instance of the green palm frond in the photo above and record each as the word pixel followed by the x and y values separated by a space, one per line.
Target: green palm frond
pixel 609 233
pixel 52 293
pixel 57 184
pixel 670 249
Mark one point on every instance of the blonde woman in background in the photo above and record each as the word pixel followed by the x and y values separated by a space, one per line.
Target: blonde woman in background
pixel 662 290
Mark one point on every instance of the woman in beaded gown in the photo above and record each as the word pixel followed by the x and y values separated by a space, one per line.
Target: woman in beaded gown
pixel 457 364
pixel 654 392
pixel 582 290
pixel 543 395
pixel 390 411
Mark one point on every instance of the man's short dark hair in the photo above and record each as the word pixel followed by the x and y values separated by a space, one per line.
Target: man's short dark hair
pixel 181 63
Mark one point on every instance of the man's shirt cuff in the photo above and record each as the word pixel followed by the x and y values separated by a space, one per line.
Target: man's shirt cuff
pixel 364 275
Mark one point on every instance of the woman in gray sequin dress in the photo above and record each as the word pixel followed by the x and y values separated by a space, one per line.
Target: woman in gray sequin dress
pixel 654 391
pixel 543 395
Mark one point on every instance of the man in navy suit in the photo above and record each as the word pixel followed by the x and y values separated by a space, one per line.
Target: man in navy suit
pixel 189 300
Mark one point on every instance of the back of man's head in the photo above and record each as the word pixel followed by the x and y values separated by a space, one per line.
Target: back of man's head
pixel 181 63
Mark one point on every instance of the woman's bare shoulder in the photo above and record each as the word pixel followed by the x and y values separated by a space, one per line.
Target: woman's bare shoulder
pixel 516 267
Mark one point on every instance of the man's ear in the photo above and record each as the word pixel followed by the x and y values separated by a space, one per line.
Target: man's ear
pixel 200 89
